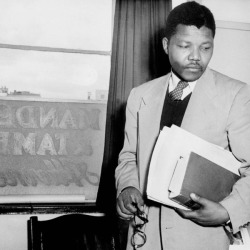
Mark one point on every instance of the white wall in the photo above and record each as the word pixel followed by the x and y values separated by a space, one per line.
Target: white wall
pixel 13 231
pixel 232 40
pixel 232 53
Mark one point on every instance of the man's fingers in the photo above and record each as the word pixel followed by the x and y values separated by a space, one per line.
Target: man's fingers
pixel 185 213
pixel 129 202
pixel 198 199
pixel 131 207
pixel 132 199
pixel 125 208
pixel 138 205
pixel 122 215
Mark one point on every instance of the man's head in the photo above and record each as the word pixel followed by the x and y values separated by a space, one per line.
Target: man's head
pixel 190 31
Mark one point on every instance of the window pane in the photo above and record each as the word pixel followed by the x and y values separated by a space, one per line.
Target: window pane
pixel 54 80
pixel 81 24
pixel 54 75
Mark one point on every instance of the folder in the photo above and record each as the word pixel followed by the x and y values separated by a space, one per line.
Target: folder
pixel 198 175
pixel 173 143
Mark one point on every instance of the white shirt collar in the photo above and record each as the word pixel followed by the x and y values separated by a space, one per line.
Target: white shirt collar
pixel 174 79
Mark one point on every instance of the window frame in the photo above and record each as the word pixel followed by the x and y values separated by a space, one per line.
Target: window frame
pixel 54 208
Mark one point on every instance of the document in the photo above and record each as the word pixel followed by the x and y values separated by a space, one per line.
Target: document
pixel 172 144
pixel 203 177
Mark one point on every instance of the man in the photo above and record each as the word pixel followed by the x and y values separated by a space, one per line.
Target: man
pixel 211 106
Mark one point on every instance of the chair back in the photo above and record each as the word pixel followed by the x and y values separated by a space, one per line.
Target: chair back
pixel 72 232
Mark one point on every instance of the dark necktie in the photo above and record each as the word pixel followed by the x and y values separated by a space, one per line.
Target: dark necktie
pixel 176 94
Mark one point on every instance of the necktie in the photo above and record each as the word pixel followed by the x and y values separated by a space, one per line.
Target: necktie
pixel 178 91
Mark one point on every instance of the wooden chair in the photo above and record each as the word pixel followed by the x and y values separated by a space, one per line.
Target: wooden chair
pixel 72 232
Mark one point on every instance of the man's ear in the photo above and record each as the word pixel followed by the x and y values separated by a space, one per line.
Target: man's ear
pixel 165 44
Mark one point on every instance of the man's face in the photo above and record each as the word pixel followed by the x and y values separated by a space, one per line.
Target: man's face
pixel 189 50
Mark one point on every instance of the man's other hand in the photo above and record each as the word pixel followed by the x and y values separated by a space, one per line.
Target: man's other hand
pixel 209 214
pixel 129 202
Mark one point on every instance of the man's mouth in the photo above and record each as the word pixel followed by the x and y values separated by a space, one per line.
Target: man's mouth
pixel 194 68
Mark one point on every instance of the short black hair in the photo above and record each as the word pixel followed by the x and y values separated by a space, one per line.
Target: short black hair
pixel 191 14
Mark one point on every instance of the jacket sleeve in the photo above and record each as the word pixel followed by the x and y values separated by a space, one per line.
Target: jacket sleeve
pixel 126 173
pixel 238 129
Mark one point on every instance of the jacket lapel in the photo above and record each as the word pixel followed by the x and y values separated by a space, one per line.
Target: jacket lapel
pixel 152 103
pixel 149 124
pixel 201 103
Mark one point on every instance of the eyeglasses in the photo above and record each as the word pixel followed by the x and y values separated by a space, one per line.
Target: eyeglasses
pixel 139 238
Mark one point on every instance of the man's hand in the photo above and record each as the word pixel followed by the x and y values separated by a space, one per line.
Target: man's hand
pixel 128 202
pixel 209 214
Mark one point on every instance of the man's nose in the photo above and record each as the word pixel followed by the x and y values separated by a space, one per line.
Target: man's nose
pixel 194 55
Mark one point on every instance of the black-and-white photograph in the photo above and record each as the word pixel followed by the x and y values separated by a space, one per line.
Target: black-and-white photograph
pixel 124 124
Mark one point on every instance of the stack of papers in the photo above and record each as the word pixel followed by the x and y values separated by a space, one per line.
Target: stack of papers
pixel 175 143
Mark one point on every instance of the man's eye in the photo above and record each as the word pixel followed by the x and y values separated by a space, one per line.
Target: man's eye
pixel 206 48
pixel 183 46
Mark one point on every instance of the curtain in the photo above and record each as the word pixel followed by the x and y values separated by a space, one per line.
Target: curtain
pixel 137 57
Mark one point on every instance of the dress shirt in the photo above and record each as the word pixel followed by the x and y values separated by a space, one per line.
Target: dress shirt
pixel 173 81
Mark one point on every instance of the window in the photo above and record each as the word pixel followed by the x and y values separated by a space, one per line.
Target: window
pixel 55 65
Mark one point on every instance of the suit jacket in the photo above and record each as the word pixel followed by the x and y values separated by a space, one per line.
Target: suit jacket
pixel 219 112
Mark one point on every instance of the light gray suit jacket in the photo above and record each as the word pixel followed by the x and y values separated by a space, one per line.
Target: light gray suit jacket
pixel 219 112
